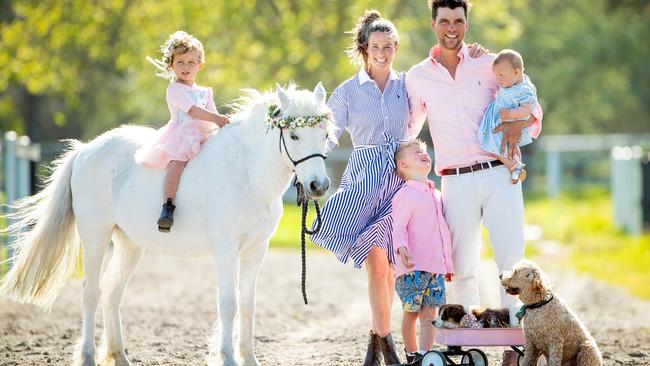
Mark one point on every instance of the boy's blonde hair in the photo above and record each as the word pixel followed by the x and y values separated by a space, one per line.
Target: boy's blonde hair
pixel 511 56
pixel 400 151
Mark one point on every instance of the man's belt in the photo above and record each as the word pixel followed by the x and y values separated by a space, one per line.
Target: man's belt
pixel 472 168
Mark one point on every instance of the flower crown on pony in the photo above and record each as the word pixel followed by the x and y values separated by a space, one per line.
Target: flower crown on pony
pixel 179 42
pixel 275 120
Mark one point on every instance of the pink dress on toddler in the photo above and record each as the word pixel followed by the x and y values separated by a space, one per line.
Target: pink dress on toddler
pixel 181 138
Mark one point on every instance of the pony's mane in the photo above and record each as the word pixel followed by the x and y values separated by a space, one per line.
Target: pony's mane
pixel 252 102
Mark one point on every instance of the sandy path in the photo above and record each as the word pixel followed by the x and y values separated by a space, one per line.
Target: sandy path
pixel 169 312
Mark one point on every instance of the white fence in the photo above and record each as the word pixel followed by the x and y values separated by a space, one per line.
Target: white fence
pixel 18 153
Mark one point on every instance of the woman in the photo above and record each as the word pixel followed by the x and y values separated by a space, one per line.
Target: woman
pixel 373 107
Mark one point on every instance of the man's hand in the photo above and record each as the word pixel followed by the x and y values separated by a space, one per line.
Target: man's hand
pixel 504 114
pixel 449 277
pixel 404 256
pixel 511 136
pixel 222 120
pixel 476 50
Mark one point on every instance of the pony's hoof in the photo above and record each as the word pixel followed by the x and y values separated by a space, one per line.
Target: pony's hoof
pixel 85 361
pixel 229 361
pixel 251 361
pixel 116 359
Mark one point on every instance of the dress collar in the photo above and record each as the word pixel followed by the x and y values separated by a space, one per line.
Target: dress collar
pixel 364 77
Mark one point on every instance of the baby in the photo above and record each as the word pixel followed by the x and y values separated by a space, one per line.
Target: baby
pixel 514 101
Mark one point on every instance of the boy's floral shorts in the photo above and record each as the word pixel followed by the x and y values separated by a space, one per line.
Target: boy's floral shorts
pixel 418 288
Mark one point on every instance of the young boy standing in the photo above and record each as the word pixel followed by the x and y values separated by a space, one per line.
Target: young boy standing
pixel 422 242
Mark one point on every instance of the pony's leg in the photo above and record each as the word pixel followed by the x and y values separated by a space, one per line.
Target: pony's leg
pixel 94 247
pixel 250 263
pixel 126 257
pixel 226 262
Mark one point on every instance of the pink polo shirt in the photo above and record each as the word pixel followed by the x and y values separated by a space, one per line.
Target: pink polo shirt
pixel 419 225
pixel 454 107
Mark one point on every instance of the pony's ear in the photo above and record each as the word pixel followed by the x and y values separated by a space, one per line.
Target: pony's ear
pixel 283 96
pixel 319 92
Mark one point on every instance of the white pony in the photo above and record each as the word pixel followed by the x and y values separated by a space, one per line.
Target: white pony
pixel 229 204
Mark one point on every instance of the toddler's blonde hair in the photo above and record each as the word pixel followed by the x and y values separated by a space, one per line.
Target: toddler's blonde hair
pixel 178 43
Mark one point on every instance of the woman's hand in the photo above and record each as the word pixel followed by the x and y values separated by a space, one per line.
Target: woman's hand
pixel 476 50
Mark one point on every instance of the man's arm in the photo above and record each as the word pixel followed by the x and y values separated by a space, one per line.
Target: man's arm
pixel 416 106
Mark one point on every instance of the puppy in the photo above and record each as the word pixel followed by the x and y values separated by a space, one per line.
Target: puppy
pixel 550 327
pixel 451 316
pixel 493 318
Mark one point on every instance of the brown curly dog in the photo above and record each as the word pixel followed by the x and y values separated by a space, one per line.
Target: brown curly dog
pixel 550 327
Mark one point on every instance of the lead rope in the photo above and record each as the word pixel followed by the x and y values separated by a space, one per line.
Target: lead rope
pixel 302 200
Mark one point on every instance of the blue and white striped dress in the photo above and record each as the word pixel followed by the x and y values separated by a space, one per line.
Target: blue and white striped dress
pixel 359 214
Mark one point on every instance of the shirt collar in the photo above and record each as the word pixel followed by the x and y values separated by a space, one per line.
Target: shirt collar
pixel 364 77
pixel 435 51
pixel 422 187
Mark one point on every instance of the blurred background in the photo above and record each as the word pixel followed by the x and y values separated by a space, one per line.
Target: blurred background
pixel 77 68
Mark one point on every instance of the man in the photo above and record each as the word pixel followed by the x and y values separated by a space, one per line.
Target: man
pixel 453 90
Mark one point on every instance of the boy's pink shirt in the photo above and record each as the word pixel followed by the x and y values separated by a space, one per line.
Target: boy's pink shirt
pixel 419 225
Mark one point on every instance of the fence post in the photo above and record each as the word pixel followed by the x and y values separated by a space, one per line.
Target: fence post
pixel 553 173
pixel 626 188
pixel 23 170
pixel 9 180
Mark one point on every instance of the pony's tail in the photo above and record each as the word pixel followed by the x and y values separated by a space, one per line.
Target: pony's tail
pixel 46 244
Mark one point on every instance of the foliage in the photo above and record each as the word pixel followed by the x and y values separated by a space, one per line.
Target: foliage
pixel 584 223
pixel 75 68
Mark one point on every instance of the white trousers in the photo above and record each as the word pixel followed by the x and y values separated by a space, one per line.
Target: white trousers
pixel 489 197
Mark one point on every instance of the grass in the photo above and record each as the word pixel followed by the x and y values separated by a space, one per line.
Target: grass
pixel 583 222
pixel 580 221
pixel 288 234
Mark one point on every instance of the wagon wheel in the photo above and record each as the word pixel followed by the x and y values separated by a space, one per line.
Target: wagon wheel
pixel 477 357
pixel 433 358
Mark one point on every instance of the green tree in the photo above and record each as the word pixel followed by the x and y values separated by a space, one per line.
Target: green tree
pixel 73 68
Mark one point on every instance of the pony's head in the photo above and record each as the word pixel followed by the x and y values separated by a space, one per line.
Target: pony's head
pixel 304 122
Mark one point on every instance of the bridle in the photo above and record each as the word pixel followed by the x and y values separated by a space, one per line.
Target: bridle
pixel 302 200
pixel 282 143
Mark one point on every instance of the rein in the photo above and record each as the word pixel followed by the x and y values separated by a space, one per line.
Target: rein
pixel 302 200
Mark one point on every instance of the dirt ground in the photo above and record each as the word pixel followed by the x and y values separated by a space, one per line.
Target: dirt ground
pixel 169 312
